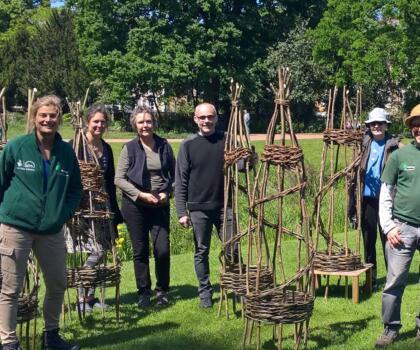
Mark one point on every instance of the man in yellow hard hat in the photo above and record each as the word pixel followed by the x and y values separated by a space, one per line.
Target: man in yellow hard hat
pixel 399 213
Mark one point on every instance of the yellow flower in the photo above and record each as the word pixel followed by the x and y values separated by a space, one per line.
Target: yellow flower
pixel 120 227
pixel 121 240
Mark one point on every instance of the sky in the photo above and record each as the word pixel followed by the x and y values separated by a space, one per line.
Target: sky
pixel 57 3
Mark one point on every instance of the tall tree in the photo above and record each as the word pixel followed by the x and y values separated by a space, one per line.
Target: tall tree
pixel 42 51
pixel 184 45
pixel 361 43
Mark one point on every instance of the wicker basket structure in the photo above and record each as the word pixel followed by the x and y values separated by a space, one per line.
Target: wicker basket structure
pixel 91 228
pixel 234 278
pixel 28 302
pixel 280 183
pixel 280 306
pixel 89 277
pixel 337 261
pixel 340 168
pixel 239 172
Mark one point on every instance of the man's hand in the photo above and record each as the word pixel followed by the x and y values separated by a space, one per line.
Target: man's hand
pixel 184 221
pixel 393 237
pixel 148 198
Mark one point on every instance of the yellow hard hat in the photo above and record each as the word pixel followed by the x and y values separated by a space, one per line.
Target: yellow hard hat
pixel 415 112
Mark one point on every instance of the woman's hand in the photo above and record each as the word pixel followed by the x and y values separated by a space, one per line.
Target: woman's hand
pixel 163 197
pixel 148 198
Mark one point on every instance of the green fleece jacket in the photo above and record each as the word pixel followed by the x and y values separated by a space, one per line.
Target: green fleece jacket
pixel 24 200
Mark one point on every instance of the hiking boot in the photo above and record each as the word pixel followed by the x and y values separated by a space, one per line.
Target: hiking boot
pixel 144 301
pixel 162 298
pixel 387 337
pixel 51 340
pixel 13 346
pixel 418 334
pixel 206 303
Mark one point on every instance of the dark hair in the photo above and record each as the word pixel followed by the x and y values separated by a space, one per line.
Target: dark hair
pixel 97 109
pixel 139 110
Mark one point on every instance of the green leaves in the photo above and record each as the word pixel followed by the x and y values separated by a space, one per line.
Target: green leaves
pixel 366 43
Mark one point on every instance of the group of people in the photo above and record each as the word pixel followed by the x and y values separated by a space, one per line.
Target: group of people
pixel 390 174
pixel 39 174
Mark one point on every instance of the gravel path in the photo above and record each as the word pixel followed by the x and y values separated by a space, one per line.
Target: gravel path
pixel 254 137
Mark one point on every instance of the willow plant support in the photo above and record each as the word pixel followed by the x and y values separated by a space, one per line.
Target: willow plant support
pixel 340 173
pixel 278 202
pixel 27 311
pixel 238 177
pixel 91 224
pixel 3 119
pixel 31 98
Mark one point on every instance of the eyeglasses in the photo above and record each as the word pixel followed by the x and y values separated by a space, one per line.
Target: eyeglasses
pixel 377 123
pixel 204 117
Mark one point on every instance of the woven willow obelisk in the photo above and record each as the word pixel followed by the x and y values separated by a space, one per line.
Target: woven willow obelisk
pixel 338 247
pixel 91 226
pixel 280 241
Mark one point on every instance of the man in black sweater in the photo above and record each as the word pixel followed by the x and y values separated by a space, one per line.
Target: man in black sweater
pixel 199 191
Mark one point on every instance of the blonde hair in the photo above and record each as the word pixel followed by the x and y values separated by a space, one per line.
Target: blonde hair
pixel 48 100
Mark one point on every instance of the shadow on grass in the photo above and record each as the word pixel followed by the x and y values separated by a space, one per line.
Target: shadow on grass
pixel 179 292
pixel 337 333
pixel 132 334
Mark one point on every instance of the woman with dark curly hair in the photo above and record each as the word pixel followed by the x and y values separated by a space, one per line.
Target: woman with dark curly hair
pixel 96 125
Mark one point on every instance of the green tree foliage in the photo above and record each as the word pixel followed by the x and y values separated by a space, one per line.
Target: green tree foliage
pixel 410 22
pixel 295 53
pixel 182 45
pixel 55 65
pixel 41 50
pixel 361 42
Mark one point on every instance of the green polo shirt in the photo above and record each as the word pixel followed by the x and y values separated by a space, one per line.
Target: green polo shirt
pixel 403 171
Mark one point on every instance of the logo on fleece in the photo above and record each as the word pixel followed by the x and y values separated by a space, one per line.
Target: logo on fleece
pixel 27 165
pixel 406 167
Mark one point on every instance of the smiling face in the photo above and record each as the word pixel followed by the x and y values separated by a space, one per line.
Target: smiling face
pixel 378 130
pixel 415 128
pixel 97 125
pixel 144 124
pixel 206 118
pixel 47 120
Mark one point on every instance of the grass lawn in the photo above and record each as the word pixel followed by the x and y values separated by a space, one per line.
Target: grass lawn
pixel 336 322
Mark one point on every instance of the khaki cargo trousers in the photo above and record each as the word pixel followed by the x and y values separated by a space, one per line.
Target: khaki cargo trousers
pixel 50 251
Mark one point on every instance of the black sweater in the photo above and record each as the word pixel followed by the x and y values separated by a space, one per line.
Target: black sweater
pixel 199 173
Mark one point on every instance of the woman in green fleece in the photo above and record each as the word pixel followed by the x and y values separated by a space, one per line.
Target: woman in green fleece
pixel 40 188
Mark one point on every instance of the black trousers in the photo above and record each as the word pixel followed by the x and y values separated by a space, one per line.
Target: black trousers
pixel 202 223
pixel 370 226
pixel 141 221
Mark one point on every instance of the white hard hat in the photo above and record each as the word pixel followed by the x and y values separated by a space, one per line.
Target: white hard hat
pixel 377 115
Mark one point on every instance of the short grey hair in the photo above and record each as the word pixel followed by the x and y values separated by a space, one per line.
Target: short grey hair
pixel 140 110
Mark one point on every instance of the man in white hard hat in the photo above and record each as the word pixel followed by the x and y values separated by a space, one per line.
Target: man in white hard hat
pixel 399 212
pixel 378 145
